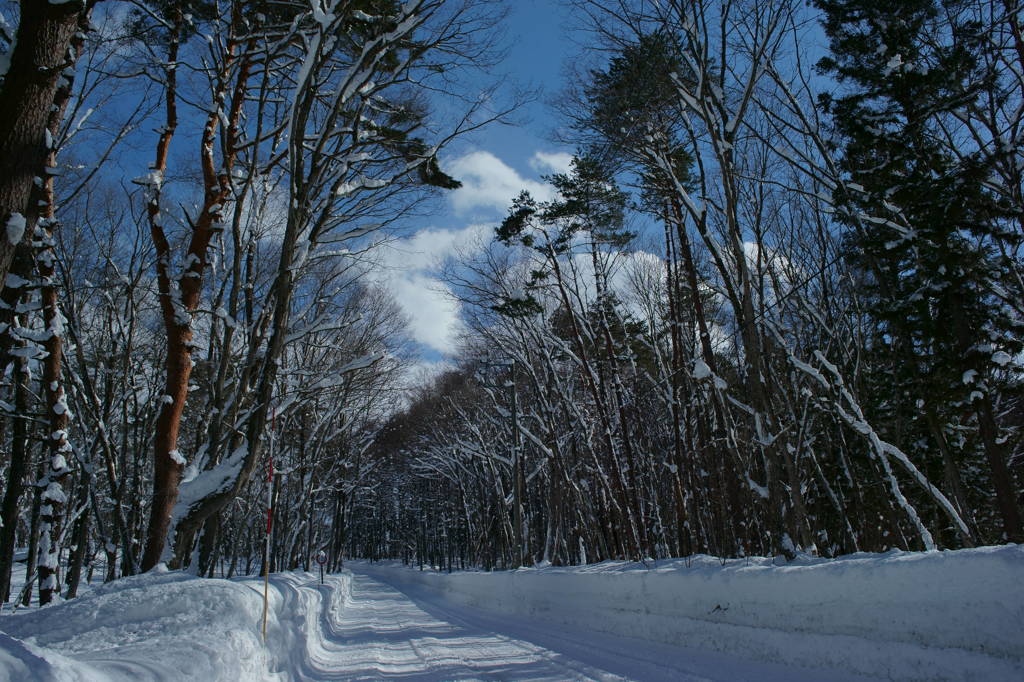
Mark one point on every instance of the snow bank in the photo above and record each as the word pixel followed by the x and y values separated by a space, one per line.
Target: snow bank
pixel 938 615
pixel 166 626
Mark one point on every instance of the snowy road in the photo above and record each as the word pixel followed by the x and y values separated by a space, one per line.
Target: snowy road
pixel 936 616
pixel 388 631
pixel 360 626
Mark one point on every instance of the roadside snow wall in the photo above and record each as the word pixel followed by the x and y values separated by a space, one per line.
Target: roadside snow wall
pixel 171 626
pixel 939 615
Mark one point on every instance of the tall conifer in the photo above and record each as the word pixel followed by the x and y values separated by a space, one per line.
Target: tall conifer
pixel 923 228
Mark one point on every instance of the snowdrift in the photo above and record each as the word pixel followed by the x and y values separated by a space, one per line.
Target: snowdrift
pixel 167 626
pixel 940 615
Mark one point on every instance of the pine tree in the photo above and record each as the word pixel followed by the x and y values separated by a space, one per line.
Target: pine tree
pixel 923 230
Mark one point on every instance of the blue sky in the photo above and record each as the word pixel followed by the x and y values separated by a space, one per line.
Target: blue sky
pixel 539 48
pixel 494 165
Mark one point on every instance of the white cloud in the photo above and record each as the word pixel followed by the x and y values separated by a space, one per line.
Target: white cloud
pixel 433 314
pixel 428 248
pixel 489 184
pixel 551 162
pixel 409 267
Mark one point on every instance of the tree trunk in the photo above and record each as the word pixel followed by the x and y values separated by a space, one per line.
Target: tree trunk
pixel 180 295
pixel 81 543
pixel 33 541
pixel 1006 501
pixel 956 487
pixel 15 478
pixel 29 87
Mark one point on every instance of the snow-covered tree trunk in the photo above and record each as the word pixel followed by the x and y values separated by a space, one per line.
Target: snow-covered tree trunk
pixel 167 462
pixel 32 71
pixel 180 292
pixel 16 471
pixel 54 495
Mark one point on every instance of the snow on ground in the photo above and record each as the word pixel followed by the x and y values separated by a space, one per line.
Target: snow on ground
pixel 444 640
pixel 173 626
pixel 164 626
pixel 944 615
pixel 953 615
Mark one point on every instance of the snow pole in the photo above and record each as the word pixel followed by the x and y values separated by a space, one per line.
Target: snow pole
pixel 321 558
pixel 270 519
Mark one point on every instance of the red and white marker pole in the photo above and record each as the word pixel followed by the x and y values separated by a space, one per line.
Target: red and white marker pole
pixel 321 558
pixel 270 519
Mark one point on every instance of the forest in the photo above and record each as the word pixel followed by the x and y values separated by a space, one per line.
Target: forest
pixel 774 307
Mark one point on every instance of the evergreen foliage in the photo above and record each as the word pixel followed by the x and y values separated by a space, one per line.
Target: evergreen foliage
pixel 925 231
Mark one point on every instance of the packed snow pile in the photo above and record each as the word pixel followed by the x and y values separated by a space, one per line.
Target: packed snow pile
pixel 936 615
pixel 167 626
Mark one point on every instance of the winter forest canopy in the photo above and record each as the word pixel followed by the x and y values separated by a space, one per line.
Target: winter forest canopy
pixel 773 305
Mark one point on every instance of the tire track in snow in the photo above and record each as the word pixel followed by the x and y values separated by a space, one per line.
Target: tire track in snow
pixel 377 632
pixel 616 657
pixel 369 625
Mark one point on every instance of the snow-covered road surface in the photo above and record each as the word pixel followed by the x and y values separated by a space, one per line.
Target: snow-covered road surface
pixel 171 627
pixel 908 616
pixel 386 631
